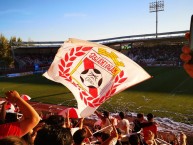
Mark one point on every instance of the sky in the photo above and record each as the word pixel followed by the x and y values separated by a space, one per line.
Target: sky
pixel 58 20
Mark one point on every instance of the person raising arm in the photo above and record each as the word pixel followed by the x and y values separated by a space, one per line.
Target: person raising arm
pixel 113 136
pixel 29 121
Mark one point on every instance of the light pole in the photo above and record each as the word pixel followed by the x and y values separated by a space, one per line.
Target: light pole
pixel 155 7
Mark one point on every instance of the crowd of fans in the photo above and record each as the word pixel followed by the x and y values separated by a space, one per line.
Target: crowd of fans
pixel 29 60
pixel 34 129
pixel 159 55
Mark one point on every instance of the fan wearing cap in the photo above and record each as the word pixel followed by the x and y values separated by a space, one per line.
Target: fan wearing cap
pixel 29 121
pixel 7 113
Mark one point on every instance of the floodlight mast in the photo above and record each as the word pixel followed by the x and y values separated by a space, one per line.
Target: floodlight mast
pixel 156 7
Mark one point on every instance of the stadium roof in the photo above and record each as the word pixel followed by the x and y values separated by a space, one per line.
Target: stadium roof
pixel 166 36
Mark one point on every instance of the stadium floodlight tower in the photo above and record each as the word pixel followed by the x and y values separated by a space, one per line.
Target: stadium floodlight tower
pixel 156 7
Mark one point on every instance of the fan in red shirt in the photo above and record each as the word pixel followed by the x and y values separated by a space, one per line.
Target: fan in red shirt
pixel 147 131
pixel 29 120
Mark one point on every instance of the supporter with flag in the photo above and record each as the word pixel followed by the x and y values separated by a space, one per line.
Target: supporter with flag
pixel 93 73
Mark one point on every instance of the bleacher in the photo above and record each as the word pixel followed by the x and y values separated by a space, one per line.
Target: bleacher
pixel 144 49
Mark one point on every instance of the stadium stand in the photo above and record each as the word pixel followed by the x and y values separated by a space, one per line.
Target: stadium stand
pixel 145 49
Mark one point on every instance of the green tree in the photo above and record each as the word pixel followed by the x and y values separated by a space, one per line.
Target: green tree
pixel 6 57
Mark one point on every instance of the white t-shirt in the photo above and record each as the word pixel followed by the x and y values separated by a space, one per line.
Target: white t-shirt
pixel 124 126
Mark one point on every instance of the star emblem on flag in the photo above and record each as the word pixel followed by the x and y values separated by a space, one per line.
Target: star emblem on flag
pixel 93 73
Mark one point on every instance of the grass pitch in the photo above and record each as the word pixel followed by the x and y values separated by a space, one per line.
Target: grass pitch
pixel 168 94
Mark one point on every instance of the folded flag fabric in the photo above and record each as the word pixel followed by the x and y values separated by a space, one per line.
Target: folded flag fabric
pixel 93 73
pixel 25 97
pixel 73 113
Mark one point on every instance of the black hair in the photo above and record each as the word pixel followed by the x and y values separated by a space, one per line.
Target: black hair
pixel 134 139
pixel 12 140
pixel 122 115
pixel 79 136
pixel 55 120
pixel 106 114
pixel 53 135
pixel 149 116
pixel 140 115
pixel 103 135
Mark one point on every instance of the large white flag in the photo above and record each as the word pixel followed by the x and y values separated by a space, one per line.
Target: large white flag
pixel 93 73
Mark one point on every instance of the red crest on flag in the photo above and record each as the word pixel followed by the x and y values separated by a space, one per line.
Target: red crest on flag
pixel 93 72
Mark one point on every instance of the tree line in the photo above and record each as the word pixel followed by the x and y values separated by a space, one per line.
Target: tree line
pixel 6 57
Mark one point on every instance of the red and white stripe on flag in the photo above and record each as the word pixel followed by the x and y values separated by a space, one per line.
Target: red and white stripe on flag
pixel 93 73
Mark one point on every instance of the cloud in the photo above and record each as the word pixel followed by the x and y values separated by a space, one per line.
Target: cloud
pixel 75 15
pixel 14 11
